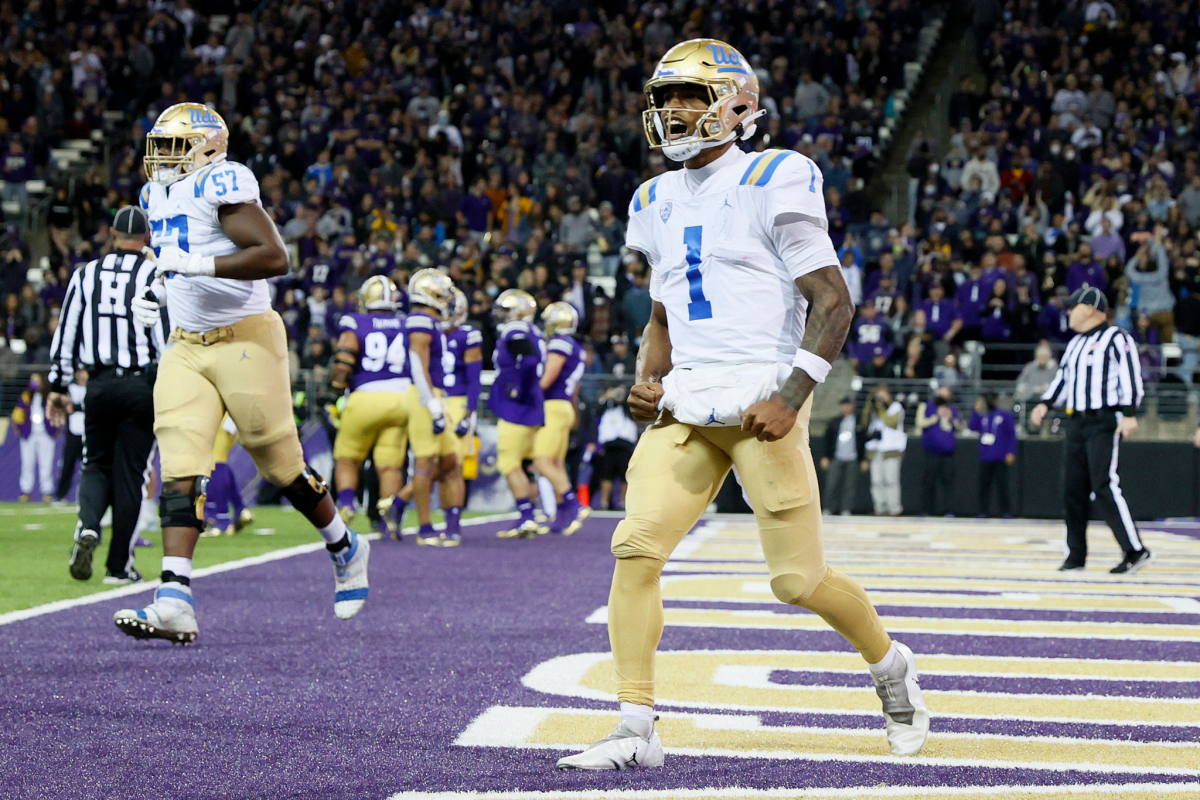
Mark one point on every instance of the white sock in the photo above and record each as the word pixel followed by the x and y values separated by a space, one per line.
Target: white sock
pixel 180 566
pixel 887 662
pixel 636 711
pixel 334 531
pixel 637 718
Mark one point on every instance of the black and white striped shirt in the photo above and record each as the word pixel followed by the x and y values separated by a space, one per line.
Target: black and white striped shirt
pixel 96 327
pixel 1099 370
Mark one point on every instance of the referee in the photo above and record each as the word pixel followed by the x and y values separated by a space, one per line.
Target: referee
pixel 97 332
pixel 1099 380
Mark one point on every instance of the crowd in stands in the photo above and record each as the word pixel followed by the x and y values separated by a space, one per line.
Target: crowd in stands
pixel 1076 163
pixel 500 143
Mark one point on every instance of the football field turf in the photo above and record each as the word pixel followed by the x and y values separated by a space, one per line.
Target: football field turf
pixel 473 669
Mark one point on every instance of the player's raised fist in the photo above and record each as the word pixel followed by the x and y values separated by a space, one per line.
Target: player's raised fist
pixel 769 420
pixel 643 401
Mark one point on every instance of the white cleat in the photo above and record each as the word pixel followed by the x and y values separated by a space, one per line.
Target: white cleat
pixel 624 748
pixel 903 704
pixel 350 577
pixel 172 616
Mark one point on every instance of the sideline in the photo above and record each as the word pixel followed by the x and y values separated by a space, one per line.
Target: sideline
pixel 228 566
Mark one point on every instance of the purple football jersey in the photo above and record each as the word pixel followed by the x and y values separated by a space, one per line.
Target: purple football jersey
pixel 567 381
pixel 382 349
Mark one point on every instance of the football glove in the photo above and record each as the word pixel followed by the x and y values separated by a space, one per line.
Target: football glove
pixel 181 262
pixel 147 310
pixel 466 426
pixel 439 419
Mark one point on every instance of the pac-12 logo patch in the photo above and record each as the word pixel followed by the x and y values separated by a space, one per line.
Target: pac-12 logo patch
pixel 665 212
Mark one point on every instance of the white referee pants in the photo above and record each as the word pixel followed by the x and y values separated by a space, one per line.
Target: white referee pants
pixel 37 453
pixel 885 483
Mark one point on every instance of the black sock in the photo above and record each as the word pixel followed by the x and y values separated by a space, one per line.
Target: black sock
pixel 339 545
pixel 169 577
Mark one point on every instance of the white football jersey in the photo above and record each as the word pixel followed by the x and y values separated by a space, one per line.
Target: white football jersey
pixel 723 255
pixel 184 214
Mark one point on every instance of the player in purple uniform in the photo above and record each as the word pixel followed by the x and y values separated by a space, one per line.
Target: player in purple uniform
pixel 463 365
pixel 517 400
pixel 430 295
pixel 372 362
pixel 565 362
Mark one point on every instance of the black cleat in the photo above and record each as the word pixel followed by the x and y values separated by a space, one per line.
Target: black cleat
pixel 1068 566
pixel 122 578
pixel 1133 562
pixel 80 564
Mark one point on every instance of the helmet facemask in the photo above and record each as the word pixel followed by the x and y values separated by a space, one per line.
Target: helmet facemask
pixel 169 158
pixel 682 132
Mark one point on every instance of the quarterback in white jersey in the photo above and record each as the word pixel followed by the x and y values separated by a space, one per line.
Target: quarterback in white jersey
pixel 215 248
pixel 749 309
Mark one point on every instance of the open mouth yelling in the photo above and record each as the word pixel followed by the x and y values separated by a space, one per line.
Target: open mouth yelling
pixel 676 129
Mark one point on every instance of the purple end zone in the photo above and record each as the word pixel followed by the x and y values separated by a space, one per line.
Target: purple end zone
pixel 280 699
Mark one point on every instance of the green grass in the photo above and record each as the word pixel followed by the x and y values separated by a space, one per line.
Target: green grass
pixel 35 543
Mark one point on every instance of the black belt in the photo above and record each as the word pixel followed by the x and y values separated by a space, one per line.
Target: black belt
pixel 1092 412
pixel 119 372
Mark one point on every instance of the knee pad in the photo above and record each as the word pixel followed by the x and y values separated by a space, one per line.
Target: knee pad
pixel 795 588
pixel 179 509
pixel 307 491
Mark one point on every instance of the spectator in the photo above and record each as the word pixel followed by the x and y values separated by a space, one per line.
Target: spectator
pixel 1036 376
pixel 883 418
pixel 811 98
pixel 1148 273
pixel 939 423
pixel 636 306
pixel 37 434
pixel 997 431
pixel 870 346
pixel 941 314
pixel 980 168
pixel 843 454
pixel 576 231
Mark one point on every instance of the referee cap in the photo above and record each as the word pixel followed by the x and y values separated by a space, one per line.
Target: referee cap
pixel 131 221
pixel 1088 296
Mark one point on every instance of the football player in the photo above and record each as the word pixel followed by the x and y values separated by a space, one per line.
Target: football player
pixel 430 297
pixel 517 400
pixel 749 309
pixel 565 362
pixel 216 247
pixel 463 366
pixel 372 361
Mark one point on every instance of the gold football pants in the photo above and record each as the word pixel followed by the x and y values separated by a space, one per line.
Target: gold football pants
pixel 554 438
pixel 242 369
pixel 675 472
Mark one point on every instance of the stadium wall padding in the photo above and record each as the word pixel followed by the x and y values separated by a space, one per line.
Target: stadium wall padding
pixel 1159 479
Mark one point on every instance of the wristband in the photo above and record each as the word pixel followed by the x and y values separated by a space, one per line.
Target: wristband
pixel 816 367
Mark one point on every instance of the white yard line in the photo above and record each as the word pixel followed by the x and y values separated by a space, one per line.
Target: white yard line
pixel 228 566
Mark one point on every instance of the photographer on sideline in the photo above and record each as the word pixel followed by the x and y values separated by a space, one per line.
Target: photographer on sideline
pixel 883 418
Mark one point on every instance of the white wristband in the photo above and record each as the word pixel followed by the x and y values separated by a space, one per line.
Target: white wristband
pixel 816 367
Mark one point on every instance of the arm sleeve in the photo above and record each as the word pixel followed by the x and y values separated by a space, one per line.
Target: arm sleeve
pixel 802 245
pixel 347 322
pixel 419 379
pixel 66 335
pixel 792 185
pixel 1055 394
pixel 228 183
pixel 637 233
pixel 1130 376
pixel 474 371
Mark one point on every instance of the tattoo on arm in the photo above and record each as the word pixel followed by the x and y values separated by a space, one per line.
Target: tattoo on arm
pixel 830 312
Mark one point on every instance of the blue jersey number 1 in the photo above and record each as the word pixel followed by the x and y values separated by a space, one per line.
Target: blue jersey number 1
pixel 699 308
